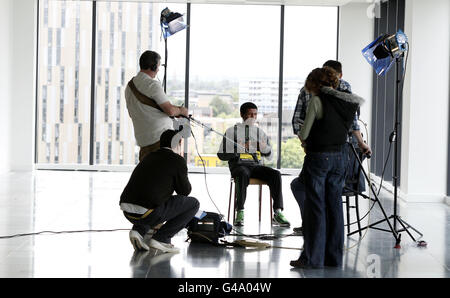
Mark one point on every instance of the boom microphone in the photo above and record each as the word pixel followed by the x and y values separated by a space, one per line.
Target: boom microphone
pixel 190 118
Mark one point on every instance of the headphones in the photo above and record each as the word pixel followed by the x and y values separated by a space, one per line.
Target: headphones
pixel 150 59
pixel 180 128
pixel 154 65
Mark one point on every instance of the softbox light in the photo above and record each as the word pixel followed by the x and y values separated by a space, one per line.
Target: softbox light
pixel 382 52
pixel 171 22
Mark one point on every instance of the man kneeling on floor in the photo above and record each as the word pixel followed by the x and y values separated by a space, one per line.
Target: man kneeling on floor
pixel 148 200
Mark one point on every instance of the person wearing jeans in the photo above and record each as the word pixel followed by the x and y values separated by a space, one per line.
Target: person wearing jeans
pixel 299 192
pixel 148 201
pixel 175 212
pixel 298 119
pixel 323 228
pixel 328 118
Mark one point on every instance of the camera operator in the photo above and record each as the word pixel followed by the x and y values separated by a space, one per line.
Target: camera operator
pixel 148 105
pixel 324 134
pixel 148 201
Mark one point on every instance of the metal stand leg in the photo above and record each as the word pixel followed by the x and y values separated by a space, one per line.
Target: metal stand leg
pixel 357 214
pixel 229 201
pixel 391 228
pixel 260 201
pixel 347 207
pixel 271 208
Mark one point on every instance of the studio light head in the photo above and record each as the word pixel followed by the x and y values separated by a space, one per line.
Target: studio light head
pixel 171 22
pixel 382 52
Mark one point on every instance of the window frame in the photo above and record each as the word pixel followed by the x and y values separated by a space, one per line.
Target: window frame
pixel 92 166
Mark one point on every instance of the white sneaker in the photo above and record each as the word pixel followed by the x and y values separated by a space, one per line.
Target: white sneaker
pixel 165 247
pixel 137 241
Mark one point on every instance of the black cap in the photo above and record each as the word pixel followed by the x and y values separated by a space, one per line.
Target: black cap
pixel 166 138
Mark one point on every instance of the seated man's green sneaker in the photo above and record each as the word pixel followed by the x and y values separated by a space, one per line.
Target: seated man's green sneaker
pixel 279 219
pixel 239 221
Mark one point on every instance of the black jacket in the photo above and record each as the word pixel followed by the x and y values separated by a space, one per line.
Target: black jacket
pixel 330 133
pixel 155 179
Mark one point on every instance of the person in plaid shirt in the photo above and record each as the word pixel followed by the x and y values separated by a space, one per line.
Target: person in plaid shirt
pixel 297 185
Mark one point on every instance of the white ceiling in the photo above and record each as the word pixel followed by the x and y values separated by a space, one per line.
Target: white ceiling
pixel 250 2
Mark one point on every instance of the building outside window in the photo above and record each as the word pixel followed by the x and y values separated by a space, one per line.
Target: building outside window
pixel 64 82
pixel 230 63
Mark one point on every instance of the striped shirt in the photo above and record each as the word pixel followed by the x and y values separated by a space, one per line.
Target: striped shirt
pixel 302 104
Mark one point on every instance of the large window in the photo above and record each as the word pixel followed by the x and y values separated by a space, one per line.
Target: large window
pixel 64 82
pixel 124 31
pixel 232 62
pixel 234 57
pixel 310 39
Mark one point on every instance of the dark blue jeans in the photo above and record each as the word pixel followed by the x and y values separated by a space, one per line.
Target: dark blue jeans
pixel 351 166
pixel 353 181
pixel 323 220
pixel 299 192
pixel 272 177
pixel 176 212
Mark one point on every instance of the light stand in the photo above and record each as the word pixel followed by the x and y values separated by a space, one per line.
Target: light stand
pixel 380 55
pixel 171 23
pixel 165 65
pixel 394 138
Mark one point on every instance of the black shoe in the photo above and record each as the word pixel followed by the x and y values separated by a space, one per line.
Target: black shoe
pixel 301 265
pixel 298 231
pixel 334 265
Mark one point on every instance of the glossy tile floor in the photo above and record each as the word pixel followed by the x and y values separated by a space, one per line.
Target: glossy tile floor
pixel 75 201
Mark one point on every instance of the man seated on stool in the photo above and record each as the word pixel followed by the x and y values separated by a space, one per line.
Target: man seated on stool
pixel 242 146
pixel 148 200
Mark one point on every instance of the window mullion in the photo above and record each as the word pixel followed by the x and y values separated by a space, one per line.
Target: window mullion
pixel 93 87
pixel 280 89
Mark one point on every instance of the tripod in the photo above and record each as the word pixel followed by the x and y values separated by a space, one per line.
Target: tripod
pixel 393 138
pixel 391 227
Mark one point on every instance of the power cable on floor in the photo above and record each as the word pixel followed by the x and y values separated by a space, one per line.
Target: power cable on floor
pixel 59 232
pixel 261 236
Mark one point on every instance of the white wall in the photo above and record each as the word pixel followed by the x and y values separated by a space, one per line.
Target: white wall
pixel 17 84
pixel 23 105
pixel 356 32
pixel 5 73
pixel 426 100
